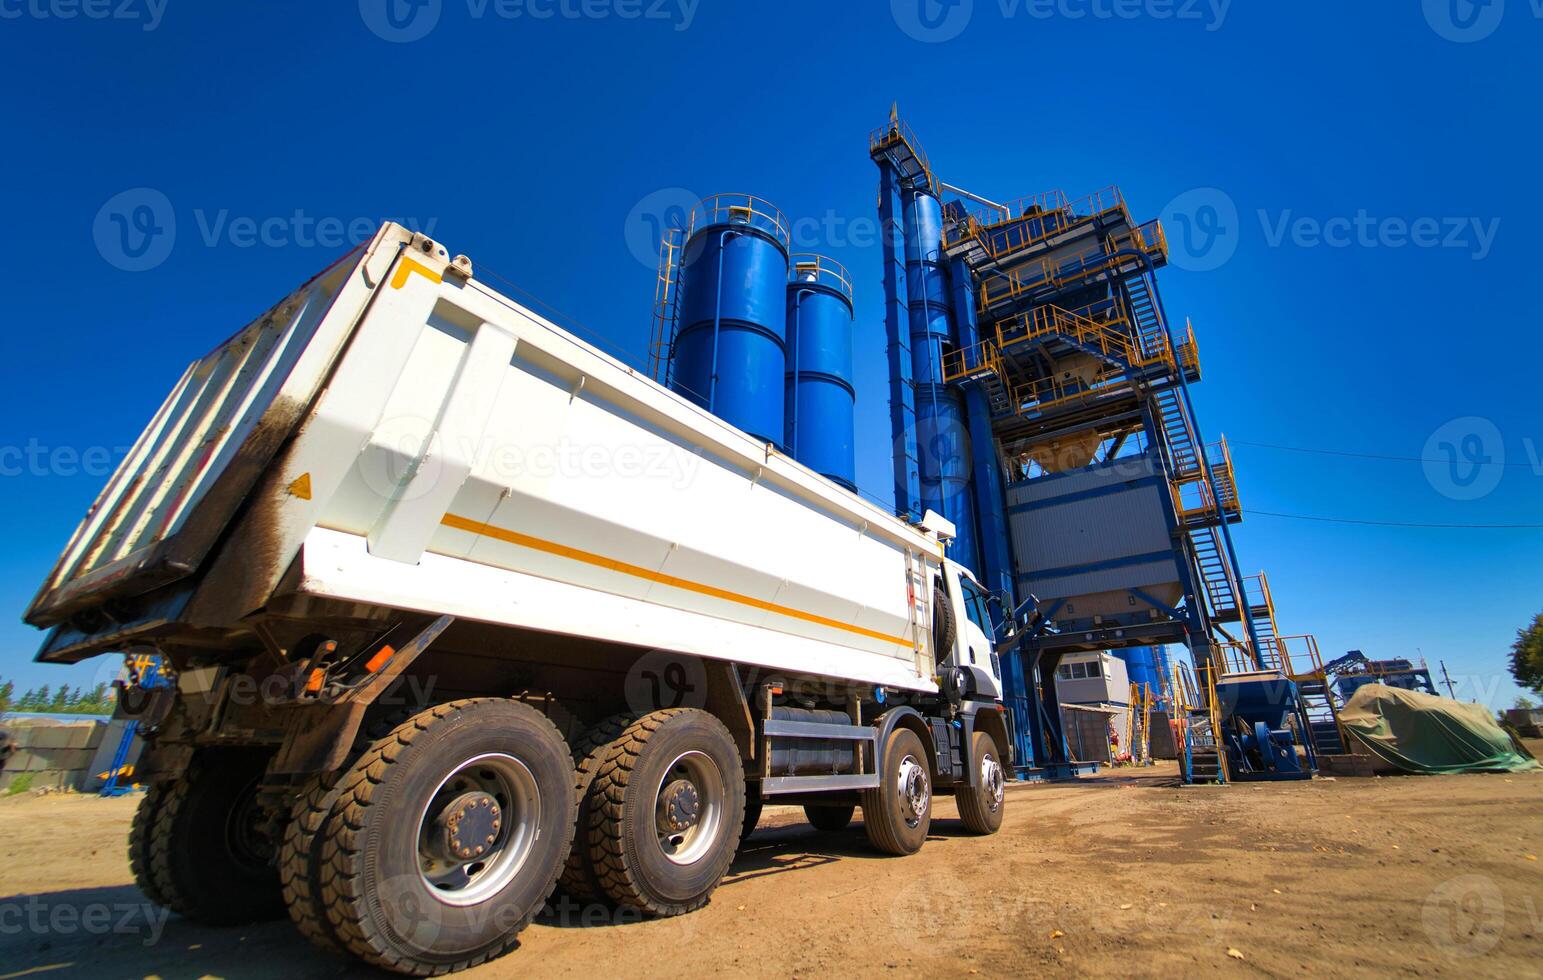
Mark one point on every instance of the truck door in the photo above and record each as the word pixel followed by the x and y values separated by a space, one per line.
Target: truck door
pixel 976 652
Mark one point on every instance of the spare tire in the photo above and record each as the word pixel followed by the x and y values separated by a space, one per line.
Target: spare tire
pixel 944 629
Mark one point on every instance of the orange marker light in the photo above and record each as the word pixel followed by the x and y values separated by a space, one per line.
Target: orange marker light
pixel 378 661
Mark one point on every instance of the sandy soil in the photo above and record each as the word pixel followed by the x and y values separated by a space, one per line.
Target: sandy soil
pixel 1113 875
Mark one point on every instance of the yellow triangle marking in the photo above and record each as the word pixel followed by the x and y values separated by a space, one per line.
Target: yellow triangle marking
pixel 301 487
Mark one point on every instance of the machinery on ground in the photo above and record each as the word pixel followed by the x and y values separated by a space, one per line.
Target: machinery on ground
pixel 1256 710
pixel 1355 669
pixel 457 606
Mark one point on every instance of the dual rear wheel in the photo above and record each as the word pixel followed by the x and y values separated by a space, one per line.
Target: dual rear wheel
pixel 661 810
pixel 441 842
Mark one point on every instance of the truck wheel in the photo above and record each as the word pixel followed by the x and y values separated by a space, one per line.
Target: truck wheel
pixel 447 836
pixel 898 814
pixel 578 880
pixel 671 806
pixel 754 804
pixel 139 842
pixel 830 818
pixel 204 849
pixel 981 808
pixel 300 851
pixel 299 855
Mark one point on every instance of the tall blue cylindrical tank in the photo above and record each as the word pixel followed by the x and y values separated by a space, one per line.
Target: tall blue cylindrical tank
pixel 942 425
pixel 1147 666
pixel 819 392
pixel 730 346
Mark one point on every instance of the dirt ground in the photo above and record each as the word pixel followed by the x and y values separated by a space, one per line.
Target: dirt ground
pixel 1117 874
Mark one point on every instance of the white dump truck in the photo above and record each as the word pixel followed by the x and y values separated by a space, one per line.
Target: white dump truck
pixel 457 609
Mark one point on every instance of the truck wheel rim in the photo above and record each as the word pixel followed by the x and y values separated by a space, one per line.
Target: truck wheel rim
pixel 915 791
pixel 244 840
pixel 992 779
pixel 688 808
pixel 494 796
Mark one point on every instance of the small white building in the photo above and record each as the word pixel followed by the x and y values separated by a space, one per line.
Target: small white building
pixel 1094 691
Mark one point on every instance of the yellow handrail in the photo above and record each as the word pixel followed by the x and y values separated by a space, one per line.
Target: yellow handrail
pixel 821 270
pixel 897 132
pixel 1189 349
pixel 1013 285
pixel 741 209
pixel 1026 223
pixel 973 362
pixel 1044 394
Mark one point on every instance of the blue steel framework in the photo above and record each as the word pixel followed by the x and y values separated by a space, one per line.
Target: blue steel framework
pixel 1061 349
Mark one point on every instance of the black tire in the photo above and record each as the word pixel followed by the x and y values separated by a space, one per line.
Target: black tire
pixel 203 848
pixel 380 904
pixel 890 819
pixel 299 859
pixel 139 842
pixel 754 804
pixel 944 630
pixel 657 753
pixel 830 818
pixel 982 808
pixel 579 881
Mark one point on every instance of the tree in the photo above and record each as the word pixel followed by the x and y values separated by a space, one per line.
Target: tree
pixel 1525 703
pixel 1527 656
pixel 95 702
pixel 40 698
pixel 61 700
pixel 7 692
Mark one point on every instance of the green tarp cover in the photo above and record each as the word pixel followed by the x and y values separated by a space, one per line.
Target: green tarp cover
pixel 1418 732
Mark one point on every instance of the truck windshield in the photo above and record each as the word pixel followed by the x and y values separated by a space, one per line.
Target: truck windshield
pixel 976 605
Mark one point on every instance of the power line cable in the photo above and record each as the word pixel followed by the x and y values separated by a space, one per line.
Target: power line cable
pixel 1338 452
pixel 1348 520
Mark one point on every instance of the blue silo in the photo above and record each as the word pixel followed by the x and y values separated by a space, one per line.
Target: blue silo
pixel 942 426
pixel 820 395
pixel 1147 666
pixel 729 354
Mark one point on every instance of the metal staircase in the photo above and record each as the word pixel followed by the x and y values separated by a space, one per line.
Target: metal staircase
pixel 1201 757
pixel 1142 308
pixel 1299 659
pixel 1178 434
pixel 1261 610
pixel 1215 573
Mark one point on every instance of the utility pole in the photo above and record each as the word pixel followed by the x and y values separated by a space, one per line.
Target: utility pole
pixel 1448 679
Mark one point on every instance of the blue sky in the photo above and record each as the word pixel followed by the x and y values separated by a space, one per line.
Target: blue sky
pixel 1353 178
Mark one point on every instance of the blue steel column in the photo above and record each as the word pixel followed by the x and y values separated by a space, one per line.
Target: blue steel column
pixel 1017 683
pixel 941 429
pixel 902 406
pixel 996 563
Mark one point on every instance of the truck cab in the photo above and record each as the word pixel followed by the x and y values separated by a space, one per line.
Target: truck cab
pixel 974 656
